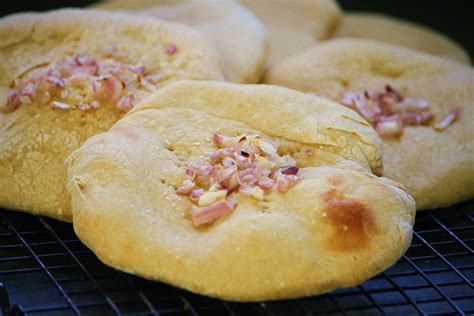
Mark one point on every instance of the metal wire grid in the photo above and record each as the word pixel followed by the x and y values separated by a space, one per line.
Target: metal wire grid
pixel 46 270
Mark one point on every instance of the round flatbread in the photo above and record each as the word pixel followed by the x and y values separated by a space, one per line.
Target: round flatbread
pixel 237 34
pixel 126 208
pixel 400 32
pixel 437 167
pixel 67 75
pixel 293 26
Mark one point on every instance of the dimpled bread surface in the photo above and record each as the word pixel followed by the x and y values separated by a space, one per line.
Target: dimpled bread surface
pixel 35 139
pixel 123 190
pixel 437 167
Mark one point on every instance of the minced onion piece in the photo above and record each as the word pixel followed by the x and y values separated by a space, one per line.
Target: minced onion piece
pixel 452 117
pixel 389 112
pixel 104 80
pixel 245 164
pixel 171 49
pixel 389 126
pixel 208 214
pixel 60 105
pixel 211 197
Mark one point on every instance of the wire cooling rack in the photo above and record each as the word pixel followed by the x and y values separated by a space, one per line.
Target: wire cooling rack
pixel 46 270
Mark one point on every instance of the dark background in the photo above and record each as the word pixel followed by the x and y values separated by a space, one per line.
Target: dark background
pixel 454 18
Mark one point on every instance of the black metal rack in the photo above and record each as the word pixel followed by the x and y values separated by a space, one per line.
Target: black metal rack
pixel 46 270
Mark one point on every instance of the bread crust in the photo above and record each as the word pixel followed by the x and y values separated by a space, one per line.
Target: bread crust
pixel 436 167
pixel 295 25
pixel 302 242
pixel 35 139
pixel 395 31
pixel 238 36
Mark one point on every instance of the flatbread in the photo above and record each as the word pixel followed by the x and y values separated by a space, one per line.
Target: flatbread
pixel 122 185
pixel 400 32
pixel 237 34
pixel 295 25
pixel 436 167
pixel 36 138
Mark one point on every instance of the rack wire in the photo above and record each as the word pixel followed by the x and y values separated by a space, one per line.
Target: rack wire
pixel 46 270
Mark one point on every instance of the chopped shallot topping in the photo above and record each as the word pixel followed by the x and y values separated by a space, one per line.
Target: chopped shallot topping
pixel 285 182
pixel 99 81
pixel 60 105
pixel 245 164
pixel 126 103
pixel 211 197
pixel 208 214
pixel 289 170
pixel 171 49
pixel 153 78
pixel 195 194
pixel 389 111
pixel 13 100
pixel 390 126
pixel 452 117
pixel 186 188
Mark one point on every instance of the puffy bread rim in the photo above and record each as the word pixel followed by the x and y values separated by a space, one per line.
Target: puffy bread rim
pixel 336 117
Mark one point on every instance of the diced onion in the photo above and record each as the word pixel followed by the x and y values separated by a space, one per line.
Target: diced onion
pixel 105 79
pixel 243 164
pixel 389 112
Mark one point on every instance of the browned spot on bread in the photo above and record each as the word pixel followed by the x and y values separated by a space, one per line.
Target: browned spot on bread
pixel 126 131
pixel 336 180
pixel 334 193
pixel 352 222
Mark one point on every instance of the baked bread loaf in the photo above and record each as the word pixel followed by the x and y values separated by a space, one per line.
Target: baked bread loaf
pixel 433 156
pixel 238 36
pixel 69 74
pixel 297 238
pixel 400 32
pixel 295 25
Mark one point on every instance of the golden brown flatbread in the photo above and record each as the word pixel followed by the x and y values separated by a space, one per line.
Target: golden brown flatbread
pixel 126 208
pixel 237 34
pixel 69 74
pixel 295 25
pixel 400 32
pixel 437 167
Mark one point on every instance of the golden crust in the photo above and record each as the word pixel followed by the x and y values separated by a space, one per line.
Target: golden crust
pixel 336 129
pixel 122 185
pixel 436 167
pixel 295 25
pixel 400 32
pixel 239 37
pixel 35 139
